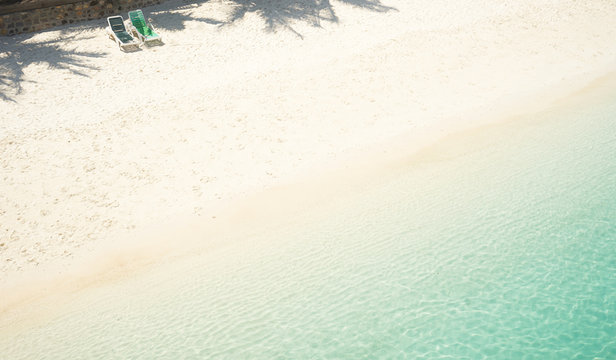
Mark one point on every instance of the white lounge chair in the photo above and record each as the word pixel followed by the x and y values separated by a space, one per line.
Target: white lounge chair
pixel 117 32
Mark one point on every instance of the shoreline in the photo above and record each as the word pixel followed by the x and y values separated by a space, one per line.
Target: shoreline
pixel 238 219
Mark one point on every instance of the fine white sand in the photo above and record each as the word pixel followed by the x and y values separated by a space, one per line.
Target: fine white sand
pixel 98 145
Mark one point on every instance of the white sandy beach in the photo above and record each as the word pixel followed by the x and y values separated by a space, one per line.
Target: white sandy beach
pixel 98 146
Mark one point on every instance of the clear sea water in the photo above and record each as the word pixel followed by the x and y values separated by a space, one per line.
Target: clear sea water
pixel 500 245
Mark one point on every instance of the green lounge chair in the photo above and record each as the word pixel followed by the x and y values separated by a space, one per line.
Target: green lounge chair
pixel 144 31
pixel 117 32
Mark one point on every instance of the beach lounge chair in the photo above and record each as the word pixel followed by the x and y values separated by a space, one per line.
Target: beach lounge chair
pixel 144 31
pixel 117 32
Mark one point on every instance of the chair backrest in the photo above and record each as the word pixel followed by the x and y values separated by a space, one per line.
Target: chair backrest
pixel 137 18
pixel 116 23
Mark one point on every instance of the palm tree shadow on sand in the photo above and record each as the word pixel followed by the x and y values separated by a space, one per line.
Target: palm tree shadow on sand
pixel 173 15
pixel 17 53
pixel 279 14
pixel 276 14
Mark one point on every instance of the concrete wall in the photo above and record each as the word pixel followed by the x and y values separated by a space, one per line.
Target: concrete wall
pixel 41 15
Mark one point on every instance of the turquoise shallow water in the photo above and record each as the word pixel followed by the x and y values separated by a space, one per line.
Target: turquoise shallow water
pixel 500 245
